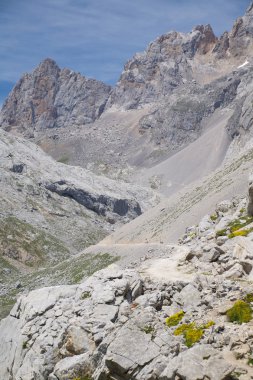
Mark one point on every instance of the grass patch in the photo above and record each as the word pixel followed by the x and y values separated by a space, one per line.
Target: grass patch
pixel 68 272
pixel 237 224
pixel 6 304
pixel 23 242
pixel 240 313
pixel 221 232
pixel 235 228
pixel 174 319
pixel 148 329
pixel 240 233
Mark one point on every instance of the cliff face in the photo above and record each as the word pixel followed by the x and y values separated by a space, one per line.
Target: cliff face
pixel 162 67
pixel 175 58
pixel 51 98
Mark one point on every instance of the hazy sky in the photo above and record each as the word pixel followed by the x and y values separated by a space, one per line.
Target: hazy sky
pixel 96 37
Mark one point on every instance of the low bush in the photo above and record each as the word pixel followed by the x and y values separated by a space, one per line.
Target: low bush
pixel 174 319
pixel 240 313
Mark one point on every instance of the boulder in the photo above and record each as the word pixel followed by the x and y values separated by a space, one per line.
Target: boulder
pixel 199 362
pixel 130 349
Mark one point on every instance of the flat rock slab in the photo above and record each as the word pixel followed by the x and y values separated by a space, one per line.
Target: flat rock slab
pixel 164 270
pixel 130 349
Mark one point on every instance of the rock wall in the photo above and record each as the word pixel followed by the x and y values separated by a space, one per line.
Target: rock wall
pixel 51 97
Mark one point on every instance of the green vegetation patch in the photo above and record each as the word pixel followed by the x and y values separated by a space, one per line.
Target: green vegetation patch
pixel 214 217
pixel 193 336
pixel 240 313
pixel 191 332
pixel 6 304
pixel 237 224
pixel 240 233
pixel 174 319
pixel 221 232
pixel 23 242
pixel 248 298
pixel 85 295
pixel 235 228
pixel 148 329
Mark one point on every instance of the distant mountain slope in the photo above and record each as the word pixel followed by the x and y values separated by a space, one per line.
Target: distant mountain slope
pixel 161 103
pixel 50 212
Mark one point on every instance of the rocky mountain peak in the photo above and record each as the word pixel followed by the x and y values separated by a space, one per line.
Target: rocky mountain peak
pixel 250 9
pixel 206 39
pixel 52 97
pixel 47 66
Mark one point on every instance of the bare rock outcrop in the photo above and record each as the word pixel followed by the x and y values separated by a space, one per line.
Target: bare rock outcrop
pixel 51 97
pixel 164 66
pixel 137 323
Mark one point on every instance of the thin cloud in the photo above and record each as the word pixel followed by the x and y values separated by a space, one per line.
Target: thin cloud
pixel 96 37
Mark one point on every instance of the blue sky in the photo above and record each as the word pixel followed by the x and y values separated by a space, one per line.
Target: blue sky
pixel 96 37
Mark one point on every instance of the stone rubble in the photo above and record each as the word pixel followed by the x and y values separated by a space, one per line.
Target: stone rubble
pixel 113 325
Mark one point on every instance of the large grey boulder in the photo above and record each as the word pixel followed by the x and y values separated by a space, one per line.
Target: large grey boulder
pixel 130 349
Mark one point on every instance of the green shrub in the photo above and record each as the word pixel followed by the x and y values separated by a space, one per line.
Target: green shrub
pixel 192 333
pixel 174 319
pixel 180 330
pixel 193 336
pixel 148 329
pixel 248 298
pixel 208 324
pixel 241 312
pixel 85 295
pixel 221 232
pixel 238 233
pixel 214 217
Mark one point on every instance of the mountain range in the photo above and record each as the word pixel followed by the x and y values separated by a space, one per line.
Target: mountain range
pixel 95 176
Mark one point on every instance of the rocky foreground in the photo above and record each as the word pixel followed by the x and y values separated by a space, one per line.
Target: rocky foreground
pixel 184 315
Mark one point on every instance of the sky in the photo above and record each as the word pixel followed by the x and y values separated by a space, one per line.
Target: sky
pixel 96 37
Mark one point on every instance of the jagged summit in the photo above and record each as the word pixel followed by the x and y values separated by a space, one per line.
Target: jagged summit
pixel 52 97
pixel 47 65
pixel 250 8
